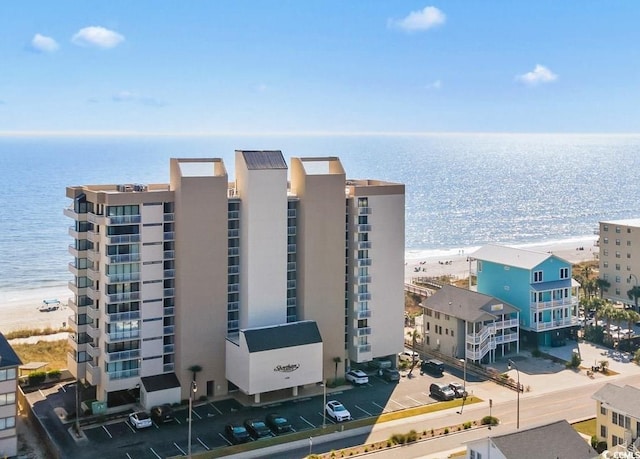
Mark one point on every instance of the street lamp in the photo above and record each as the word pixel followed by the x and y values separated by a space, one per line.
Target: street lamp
pixel 324 404
pixel 509 365
pixel 194 388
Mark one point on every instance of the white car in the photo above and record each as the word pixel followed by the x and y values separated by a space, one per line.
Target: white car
pixel 337 411
pixel 356 377
pixel 140 420
pixel 409 355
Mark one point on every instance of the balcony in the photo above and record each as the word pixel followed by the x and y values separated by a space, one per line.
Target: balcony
pixel 507 338
pixel 291 248
pixel 168 348
pixel 481 351
pixel 364 279
pixel 122 355
pixel 482 336
pixel 71 304
pixel 93 332
pixel 366 331
pixel 506 324
pixel 93 236
pixel 364 228
pixel 124 219
pixel 169 217
pixel 364 210
pixel 93 293
pixel 77 291
pixel 123 239
pixel 73 270
pixel 363 353
pixel 93 313
pixel 364 314
pixel 233 233
pixel 169 254
pixel 169 235
pixel 364 261
pixel 93 374
pixel 77 253
pixel 124 258
pixel 123 316
pixel 71 213
pixel 233 251
pixel 93 275
pixel 291 284
pixel 96 219
pixel 93 350
pixel 75 234
pixel 93 255
pixel 542 305
pixel 115 337
pixel 364 296
pixel 169 273
pixel 169 292
pixel 562 323
pixel 363 245
pixel 122 297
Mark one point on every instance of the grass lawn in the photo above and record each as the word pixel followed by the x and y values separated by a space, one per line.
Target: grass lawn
pixel 587 427
pixel 52 352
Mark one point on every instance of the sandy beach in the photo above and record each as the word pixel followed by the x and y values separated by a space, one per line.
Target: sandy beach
pixel 22 311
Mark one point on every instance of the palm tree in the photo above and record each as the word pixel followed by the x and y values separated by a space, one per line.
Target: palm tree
pixel 634 294
pixel 195 369
pixel 581 280
pixel 608 312
pixel 586 272
pixel 602 284
pixel 415 336
pixel 336 360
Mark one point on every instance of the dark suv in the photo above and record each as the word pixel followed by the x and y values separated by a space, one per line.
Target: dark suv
pixel 162 413
pixel 389 374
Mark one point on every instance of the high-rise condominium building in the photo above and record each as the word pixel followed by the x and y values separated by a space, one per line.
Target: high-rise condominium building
pixel 618 264
pixel 257 284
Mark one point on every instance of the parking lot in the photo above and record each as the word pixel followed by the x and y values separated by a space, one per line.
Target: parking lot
pixel 118 438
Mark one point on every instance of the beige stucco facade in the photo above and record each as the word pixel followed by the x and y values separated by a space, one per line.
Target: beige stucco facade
pixel 619 257
pixel 167 275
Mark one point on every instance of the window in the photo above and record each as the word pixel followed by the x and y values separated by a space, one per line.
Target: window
pixel 9 373
pixel 617 254
pixel 614 418
pixel 603 431
pixel 428 312
pixel 564 273
pixel 615 440
pixel 618 279
pixel 605 240
pixel 7 423
pixel 605 227
pixel 617 241
pixel 437 315
pixel 479 266
pixel 605 264
pixel 603 411
pixel 618 229
pixel 537 276
pixel 617 266
pixel 8 399
pixel 628 243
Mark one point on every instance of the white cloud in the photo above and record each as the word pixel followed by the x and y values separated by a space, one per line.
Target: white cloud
pixel 98 37
pixel 43 44
pixel 435 85
pixel 132 97
pixel 540 74
pixel 425 19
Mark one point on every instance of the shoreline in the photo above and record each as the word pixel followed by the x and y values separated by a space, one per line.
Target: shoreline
pixel 19 310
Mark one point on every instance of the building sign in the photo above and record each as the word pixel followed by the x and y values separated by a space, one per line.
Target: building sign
pixel 287 368
pixel 497 307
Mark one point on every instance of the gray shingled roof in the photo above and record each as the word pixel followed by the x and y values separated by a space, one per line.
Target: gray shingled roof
pixel 264 159
pixel 160 382
pixel 465 304
pixel 552 441
pixel 280 336
pixel 625 400
pixel 8 357
pixel 512 256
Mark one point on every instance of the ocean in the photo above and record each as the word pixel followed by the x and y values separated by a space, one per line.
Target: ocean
pixel 462 190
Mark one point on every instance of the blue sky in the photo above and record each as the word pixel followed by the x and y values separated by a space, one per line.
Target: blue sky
pixel 357 66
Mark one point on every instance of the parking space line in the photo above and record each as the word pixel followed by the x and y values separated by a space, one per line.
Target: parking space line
pixel 196 413
pixel 129 426
pixel 128 455
pixel 411 398
pixel 202 443
pixel 307 422
pixel 62 387
pixel 177 420
pixel 364 411
pixel 179 449
pixel 107 430
pixel 379 406
pixel 382 380
pixel 224 438
pixel 215 408
pixel 328 418
pixel 397 403
pixel 156 454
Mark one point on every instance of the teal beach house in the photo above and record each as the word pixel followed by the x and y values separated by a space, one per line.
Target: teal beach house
pixel 537 283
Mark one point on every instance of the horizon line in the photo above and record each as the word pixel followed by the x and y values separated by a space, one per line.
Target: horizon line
pixel 122 133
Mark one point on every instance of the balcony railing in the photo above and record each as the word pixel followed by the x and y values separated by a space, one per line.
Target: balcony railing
pixel 124 219
pixel 482 350
pixel 169 235
pixel 124 374
pixel 123 316
pixel 364 296
pixel 364 228
pixel 506 324
pixel 363 331
pixel 364 261
pixel 363 245
pixel 561 323
pixel 541 305
pixel 364 210
pixel 120 297
pixel 508 338
pixel 124 277
pixel 122 355
pixel 169 254
pixel 483 335
pixel 123 239
pixel 122 335
pixel 124 258
pixel 364 314
pixel 364 348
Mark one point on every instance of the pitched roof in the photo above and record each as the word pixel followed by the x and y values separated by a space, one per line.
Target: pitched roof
pixel 280 336
pixel 552 441
pixel 512 256
pixel 160 382
pixel 466 304
pixel 8 357
pixel 623 399
pixel 264 159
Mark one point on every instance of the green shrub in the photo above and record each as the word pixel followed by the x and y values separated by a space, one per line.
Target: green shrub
pixel 37 377
pixel 490 420
pixel 389 444
pixel 412 436
pixel 575 361
pixel 398 439
pixel 466 425
pixel 54 374
pixel 446 430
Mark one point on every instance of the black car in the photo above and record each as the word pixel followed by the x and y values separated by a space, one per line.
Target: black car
pixel 390 374
pixel 162 413
pixel 236 433
pixel 257 428
pixel 278 424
